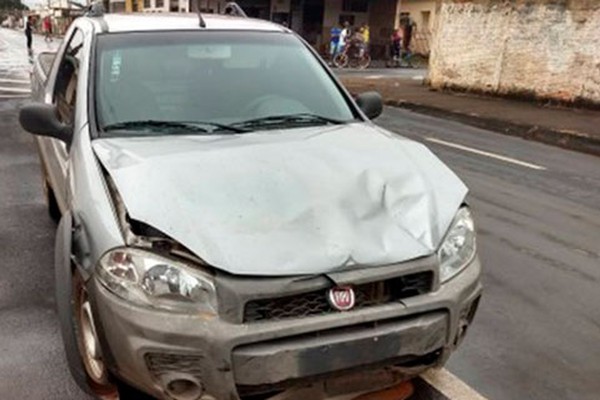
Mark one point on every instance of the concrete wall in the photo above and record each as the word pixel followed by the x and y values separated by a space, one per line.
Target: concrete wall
pixel 548 49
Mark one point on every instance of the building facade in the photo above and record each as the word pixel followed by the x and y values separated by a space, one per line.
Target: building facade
pixel 314 19
pixel 423 13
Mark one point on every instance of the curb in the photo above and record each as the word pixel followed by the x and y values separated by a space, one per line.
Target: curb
pixel 568 140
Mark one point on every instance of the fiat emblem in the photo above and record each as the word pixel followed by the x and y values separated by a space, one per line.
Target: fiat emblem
pixel 341 298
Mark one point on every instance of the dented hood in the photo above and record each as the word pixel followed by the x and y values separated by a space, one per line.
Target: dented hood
pixel 299 201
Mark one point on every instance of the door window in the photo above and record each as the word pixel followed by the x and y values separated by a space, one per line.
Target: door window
pixel 65 89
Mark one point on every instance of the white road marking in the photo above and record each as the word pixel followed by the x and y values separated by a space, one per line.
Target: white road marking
pixel 22 81
pixel 450 386
pixel 487 154
pixel 6 89
pixel 13 96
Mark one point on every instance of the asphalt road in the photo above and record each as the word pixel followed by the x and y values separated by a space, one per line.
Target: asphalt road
pixel 376 73
pixel 537 332
pixel 15 62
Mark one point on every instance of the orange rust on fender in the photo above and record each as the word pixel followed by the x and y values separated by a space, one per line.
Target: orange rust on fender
pixel 399 392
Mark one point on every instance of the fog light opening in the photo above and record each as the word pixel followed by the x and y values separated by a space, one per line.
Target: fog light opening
pixel 461 332
pixel 184 389
pixel 466 318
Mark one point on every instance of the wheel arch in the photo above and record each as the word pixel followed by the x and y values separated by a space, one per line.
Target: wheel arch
pixel 63 269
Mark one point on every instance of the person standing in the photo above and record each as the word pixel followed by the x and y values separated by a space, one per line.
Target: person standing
pixel 47 29
pixel 344 36
pixel 366 33
pixel 334 41
pixel 396 44
pixel 28 33
pixel 408 27
pixel 366 36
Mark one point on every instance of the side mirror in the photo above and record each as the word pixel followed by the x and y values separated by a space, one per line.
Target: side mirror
pixel 41 119
pixel 370 103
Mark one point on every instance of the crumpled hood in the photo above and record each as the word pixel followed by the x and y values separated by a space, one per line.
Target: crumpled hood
pixel 300 201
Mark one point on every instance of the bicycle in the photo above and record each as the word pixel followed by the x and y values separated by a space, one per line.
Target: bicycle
pixel 354 56
pixel 400 58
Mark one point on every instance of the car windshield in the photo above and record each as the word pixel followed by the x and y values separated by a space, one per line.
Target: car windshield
pixel 202 82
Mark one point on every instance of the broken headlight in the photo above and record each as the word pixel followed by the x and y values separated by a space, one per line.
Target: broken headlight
pixel 458 247
pixel 151 280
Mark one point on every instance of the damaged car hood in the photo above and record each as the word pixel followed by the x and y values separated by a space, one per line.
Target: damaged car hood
pixel 298 201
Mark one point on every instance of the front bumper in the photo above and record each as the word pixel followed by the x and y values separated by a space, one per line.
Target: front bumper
pixel 149 349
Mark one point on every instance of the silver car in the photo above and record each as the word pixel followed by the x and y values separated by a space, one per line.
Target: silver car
pixel 232 224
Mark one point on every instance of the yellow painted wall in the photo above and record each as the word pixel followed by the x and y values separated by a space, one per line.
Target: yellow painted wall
pixel 416 9
pixel 129 5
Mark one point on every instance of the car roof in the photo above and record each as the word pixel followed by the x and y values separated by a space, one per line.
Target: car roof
pixel 142 22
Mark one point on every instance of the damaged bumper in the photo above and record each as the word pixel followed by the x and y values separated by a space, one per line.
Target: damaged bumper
pixel 190 356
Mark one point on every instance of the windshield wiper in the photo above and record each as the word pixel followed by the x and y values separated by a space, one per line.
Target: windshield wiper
pixel 195 126
pixel 288 119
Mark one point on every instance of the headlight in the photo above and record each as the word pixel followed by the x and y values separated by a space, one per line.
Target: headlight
pixel 458 248
pixel 151 280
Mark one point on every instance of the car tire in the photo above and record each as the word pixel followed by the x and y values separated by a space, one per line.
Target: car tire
pixel 63 293
pixel 127 392
pixel 110 387
pixel 66 289
pixel 53 209
pixel 105 386
pixel 96 372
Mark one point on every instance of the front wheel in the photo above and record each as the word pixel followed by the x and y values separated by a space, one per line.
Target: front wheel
pixel 340 60
pixel 99 380
pixel 51 202
pixel 87 341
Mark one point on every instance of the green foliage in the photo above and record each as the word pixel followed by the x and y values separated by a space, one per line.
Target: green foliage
pixel 12 5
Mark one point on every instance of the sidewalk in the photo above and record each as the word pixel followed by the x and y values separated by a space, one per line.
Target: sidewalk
pixel 574 129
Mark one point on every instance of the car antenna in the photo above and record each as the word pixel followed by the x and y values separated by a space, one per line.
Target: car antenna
pixel 200 19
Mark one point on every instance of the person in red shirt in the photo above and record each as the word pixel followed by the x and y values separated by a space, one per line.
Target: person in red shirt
pixel 47 25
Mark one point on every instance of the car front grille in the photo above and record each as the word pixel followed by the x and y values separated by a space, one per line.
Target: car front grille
pixel 315 303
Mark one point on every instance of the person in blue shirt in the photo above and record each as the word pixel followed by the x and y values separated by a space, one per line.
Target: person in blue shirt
pixel 335 44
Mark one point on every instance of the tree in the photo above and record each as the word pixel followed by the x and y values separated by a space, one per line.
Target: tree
pixel 7 5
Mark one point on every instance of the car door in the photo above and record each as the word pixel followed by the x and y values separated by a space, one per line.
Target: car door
pixel 54 153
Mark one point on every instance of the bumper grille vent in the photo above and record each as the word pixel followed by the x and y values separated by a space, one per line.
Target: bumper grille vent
pixel 315 303
pixel 160 364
